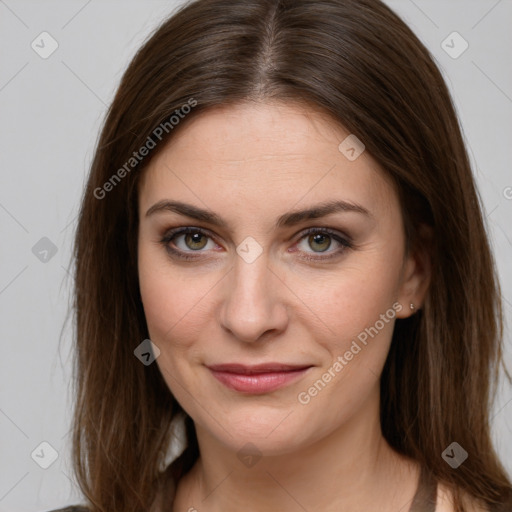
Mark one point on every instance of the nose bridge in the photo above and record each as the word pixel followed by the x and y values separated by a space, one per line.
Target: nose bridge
pixel 252 304
pixel 250 278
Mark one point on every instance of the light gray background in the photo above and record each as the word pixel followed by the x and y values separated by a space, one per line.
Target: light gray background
pixel 50 114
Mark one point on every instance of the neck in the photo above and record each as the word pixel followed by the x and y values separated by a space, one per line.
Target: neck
pixel 351 468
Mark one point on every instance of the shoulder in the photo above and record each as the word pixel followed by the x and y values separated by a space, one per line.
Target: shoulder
pixel 445 501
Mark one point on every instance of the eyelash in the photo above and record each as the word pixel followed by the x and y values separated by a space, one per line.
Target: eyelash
pixel 346 243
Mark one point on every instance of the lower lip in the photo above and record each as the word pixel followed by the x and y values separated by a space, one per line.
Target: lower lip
pixel 258 382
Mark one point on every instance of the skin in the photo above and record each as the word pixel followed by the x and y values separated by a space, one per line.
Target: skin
pixel 251 163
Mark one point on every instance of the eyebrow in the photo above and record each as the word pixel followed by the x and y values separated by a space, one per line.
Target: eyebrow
pixel 288 219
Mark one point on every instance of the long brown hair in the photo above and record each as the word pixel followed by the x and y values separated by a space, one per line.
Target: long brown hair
pixel 358 62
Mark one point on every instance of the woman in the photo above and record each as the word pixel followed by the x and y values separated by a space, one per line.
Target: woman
pixel 281 251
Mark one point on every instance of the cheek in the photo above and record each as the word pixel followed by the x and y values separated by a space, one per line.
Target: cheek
pixel 359 310
pixel 354 300
pixel 174 302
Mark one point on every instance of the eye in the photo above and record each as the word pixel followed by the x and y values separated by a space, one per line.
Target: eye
pixel 186 240
pixel 320 240
pixel 183 242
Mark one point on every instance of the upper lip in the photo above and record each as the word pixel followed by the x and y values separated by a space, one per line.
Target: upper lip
pixel 257 368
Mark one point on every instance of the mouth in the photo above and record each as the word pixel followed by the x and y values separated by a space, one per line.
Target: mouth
pixel 257 379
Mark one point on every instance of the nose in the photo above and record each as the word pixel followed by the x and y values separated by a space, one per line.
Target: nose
pixel 254 307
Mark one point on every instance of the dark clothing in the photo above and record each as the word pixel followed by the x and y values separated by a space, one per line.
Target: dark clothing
pixel 71 509
pixel 424 500
pixel 426 494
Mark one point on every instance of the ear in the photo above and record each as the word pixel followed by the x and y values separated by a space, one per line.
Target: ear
pixel 416 273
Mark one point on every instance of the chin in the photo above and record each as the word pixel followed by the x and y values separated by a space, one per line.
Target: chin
pixel 273 432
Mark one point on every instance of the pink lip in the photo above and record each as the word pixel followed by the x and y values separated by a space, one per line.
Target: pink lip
pixel 256 379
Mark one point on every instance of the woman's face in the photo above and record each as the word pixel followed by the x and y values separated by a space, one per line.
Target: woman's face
pixel 311 313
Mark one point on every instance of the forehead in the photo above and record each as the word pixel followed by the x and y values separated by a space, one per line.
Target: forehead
pixel 251 154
